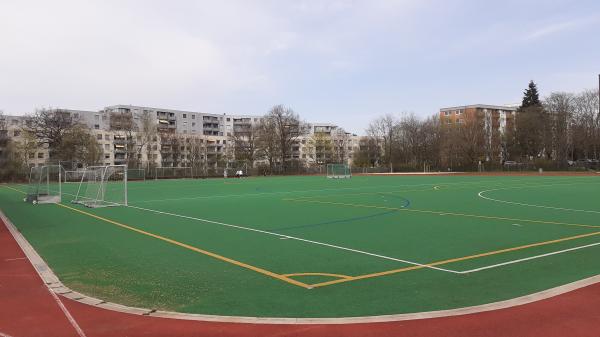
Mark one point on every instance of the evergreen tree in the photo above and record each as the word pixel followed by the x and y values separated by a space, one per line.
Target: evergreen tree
pixel 531 96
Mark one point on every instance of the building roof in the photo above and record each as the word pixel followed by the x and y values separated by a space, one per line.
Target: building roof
pixel 482 106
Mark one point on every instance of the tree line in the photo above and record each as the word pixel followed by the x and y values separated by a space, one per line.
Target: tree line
pixel 559 131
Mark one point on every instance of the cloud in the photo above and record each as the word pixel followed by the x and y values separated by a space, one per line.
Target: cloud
pixel 558 27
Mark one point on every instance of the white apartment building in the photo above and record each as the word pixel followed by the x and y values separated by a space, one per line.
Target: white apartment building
pixel 213 131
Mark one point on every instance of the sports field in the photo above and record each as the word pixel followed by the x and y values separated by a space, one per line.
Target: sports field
pixel 317 247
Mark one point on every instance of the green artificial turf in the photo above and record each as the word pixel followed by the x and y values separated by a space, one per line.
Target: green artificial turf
pixel 288 225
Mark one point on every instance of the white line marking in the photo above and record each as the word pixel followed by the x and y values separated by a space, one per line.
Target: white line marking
pixel 528 258
pixel 480 194
pixel 4 335
pixel 516 224
pixel 294 238
pixel 316 190
pixel 16 259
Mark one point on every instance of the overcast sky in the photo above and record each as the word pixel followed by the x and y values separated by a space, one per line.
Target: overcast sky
pixel 344 62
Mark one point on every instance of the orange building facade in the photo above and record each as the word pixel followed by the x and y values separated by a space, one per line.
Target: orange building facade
pixel 495 121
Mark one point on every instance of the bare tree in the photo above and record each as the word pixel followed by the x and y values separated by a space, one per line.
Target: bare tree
pixel 586 125
pixel 28 145
pixel 560 108
pixel 245 144
pixel 78 145
pixel 268 148
pixel 383 128
pixel 278 131
pixel 368 154
pixel 197 156
pixel 123 125
pixel 11 163
pixel 50 125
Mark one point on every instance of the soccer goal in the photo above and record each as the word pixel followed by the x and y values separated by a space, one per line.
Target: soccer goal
pixel 103 186
pixel 172 172
pixel 44 185
pixel 338 171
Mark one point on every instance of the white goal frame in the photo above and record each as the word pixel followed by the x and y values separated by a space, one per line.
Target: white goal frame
pixel 100 175
pixel 338 171
pixel 40 189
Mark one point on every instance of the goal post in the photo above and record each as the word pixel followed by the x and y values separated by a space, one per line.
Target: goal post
pixel 45 185
pixel 103 186
pixel 338 171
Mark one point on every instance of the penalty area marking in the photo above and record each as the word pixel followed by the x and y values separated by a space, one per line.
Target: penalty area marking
pixel 422 265
pixel 481 195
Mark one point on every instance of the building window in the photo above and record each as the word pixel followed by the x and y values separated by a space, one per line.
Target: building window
pixel 31 155
pixel 97 126
pixel 99 136
pixel 193 116
pixel 41 155
pixel 106 137
pixel 106 156
pixel 97 117
pixel 106 147
pixel 184 115
pixel 228 119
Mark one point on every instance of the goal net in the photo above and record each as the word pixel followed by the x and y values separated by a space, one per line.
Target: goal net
pixel 172 172
pixel 136 174
pixel 338 171
pixel 103 186
pixel 44 185
pixel 73 176
pixel 236 169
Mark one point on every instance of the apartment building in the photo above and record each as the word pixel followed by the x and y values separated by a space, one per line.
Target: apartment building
pixel 496 117
pixel 182 138
pixel 495 121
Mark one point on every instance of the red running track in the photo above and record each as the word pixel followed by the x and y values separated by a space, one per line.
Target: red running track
pixel 28 309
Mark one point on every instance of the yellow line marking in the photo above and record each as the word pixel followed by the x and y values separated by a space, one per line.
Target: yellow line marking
pixel 442 213
pixel 469 257
pixel 319 274
pixel 346 278
pixel 195 249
